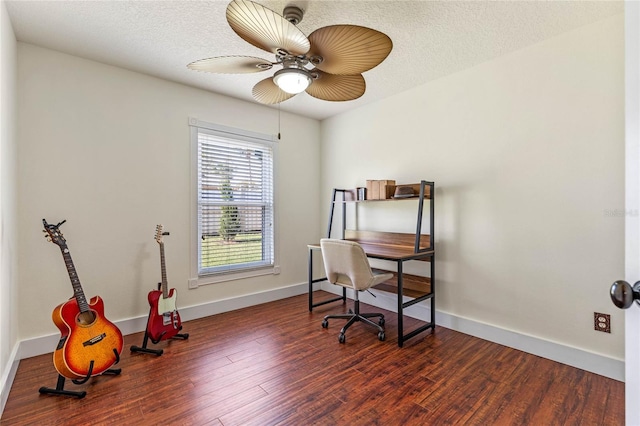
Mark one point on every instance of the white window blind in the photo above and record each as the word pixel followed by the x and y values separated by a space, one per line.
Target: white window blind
pixel 235 202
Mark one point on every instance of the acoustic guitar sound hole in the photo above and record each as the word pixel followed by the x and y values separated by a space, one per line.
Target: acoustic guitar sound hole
pixel 86 318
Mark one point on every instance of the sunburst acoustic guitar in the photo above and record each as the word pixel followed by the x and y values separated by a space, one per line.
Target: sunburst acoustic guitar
pixel 89 343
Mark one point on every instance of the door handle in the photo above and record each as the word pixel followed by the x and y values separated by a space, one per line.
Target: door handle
pixel 623 295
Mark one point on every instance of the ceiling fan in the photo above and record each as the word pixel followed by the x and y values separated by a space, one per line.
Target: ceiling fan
pixel 328 65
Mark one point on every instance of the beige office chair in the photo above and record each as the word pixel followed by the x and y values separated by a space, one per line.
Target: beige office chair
pixel 347 265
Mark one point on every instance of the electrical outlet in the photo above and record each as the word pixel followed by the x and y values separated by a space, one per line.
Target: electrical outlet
pixel 602 322
pixel 192 283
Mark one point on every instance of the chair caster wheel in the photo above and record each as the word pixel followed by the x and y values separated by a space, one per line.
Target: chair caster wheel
pixel 341 338
pixel 381 322
pixel 381 336
pixel 325 324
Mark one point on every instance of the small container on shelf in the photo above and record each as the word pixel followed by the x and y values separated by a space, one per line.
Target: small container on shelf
pixel 404 191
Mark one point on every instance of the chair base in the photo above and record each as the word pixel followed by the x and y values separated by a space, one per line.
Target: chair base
pixel 354 317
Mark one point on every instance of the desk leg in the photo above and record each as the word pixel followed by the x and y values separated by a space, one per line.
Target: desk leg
pixel 401 336
pixel 433 291
pixel 310 270
pixel 317 280
pixel 400 313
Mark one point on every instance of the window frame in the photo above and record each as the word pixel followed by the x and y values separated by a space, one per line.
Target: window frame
pixel 212 277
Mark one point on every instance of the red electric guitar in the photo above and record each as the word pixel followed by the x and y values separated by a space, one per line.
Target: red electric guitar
pixel 164 319
pixel 89 344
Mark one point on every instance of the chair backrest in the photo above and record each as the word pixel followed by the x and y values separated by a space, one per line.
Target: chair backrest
pixel 346 263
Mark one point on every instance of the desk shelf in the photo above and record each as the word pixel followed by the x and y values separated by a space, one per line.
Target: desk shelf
pixel 413 286
pixel 425 191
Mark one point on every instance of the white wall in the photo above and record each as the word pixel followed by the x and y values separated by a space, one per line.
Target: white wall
pixel 527 153
pixel 8 206
pixel 108 150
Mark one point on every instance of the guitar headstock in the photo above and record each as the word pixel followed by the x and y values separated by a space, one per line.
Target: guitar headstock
pixel 159 234
pixel 53 233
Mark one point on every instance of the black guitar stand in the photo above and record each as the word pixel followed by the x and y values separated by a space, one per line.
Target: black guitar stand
pixel 158 352
pixel 59 389
pixel 146 338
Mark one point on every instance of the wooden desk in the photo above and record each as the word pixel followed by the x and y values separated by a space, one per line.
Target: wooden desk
pixel 416 287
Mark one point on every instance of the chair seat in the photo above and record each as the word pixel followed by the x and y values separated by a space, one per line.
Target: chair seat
pixel 381 276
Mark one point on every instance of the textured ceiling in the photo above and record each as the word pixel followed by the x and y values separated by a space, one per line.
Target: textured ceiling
pixel 431 38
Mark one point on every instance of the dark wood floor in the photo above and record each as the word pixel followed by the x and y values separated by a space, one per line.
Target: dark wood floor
pixel 274 364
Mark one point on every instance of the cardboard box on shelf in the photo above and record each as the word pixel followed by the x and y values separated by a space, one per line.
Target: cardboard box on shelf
pixel 380 189
pixel 387 187
pixel 373 189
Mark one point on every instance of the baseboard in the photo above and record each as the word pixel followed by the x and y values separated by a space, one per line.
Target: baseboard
pixel 45 344
pixel 575 357
pixel 8 376
pixel 232 304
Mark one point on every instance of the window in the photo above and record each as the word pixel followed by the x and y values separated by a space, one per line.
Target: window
pixel 235 218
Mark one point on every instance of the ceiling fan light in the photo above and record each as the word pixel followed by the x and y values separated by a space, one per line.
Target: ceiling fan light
pixel 292 80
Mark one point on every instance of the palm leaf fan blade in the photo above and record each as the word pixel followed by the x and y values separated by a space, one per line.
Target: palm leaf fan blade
pixel 349 49
pixel 331 87
pixel 231 65
pixel 265 29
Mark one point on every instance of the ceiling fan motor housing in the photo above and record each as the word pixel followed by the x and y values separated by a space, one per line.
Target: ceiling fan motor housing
pixel 293 14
